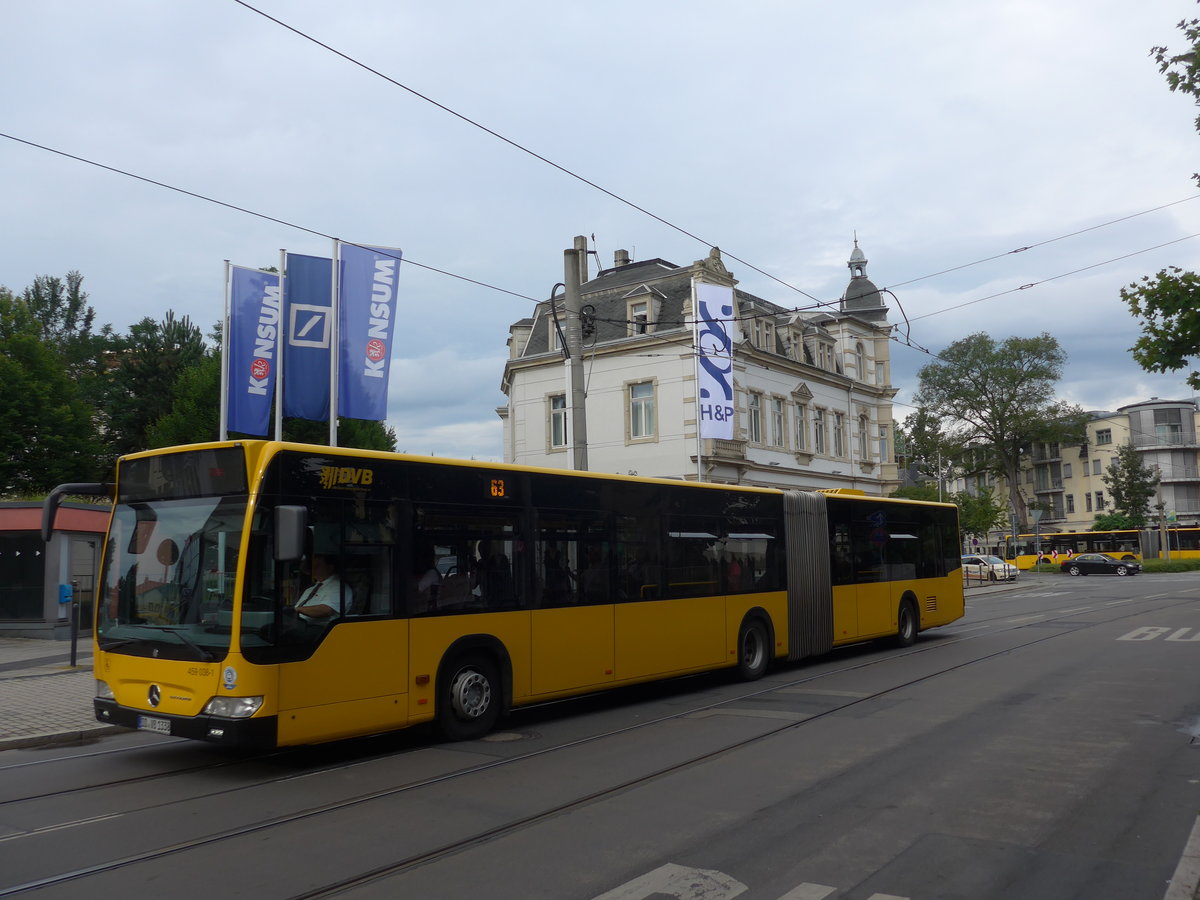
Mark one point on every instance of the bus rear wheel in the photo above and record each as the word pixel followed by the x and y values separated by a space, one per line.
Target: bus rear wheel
pixel 469 701
pixel 906 625
pixel 753 650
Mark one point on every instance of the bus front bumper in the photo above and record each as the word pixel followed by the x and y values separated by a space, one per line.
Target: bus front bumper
pixel 258 733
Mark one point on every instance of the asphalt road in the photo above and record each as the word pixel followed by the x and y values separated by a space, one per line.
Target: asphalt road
pixel 1043 748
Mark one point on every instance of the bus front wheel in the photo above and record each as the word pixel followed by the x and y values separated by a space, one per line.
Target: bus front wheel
pixel 469 703
pixel 753 650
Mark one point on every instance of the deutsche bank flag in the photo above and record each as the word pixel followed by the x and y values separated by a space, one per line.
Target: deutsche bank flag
pixel 714 360
pixel 253 348
pixel 367 313
pixel 308 311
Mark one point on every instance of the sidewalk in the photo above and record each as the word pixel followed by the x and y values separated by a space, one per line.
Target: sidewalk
pixel 42 699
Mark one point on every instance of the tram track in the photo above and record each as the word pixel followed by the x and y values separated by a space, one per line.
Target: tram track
pixel 451 847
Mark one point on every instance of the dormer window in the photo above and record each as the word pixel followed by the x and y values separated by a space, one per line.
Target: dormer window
pixel 639 317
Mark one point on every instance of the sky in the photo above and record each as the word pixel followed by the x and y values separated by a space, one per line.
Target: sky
pixel 941 133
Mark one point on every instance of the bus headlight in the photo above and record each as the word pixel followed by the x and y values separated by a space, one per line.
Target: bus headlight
pixel 233 707
pixel 103 691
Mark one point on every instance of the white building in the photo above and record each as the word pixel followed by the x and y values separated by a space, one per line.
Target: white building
pixel 811 388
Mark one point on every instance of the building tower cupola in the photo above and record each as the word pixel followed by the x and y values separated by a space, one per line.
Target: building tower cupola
pixel 861 297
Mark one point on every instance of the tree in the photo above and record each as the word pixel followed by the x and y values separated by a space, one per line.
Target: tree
pixel 148 366
pixel 1131 485
pixel 1114 521
pixel 1168 304
pixel 928 492
pixel 47 435
pixel 979 513
pixel 996 398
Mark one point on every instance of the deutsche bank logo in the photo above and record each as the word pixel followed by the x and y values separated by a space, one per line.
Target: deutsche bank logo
pixel 308 326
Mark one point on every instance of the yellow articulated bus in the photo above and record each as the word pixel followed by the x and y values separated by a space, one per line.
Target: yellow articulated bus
pixel 1128 544
pixel 265 594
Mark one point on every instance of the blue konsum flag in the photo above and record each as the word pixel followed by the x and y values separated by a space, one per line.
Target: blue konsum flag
pixel 308 315
pixel 254 316
pixel 367 314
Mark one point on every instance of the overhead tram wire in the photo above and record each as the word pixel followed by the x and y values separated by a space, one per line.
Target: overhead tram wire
pixel 1033 284
pixel 251 212
pixel 1047 241
pixel 521 147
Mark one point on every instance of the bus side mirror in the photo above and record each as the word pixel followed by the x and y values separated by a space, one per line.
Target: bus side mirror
pixel 291 529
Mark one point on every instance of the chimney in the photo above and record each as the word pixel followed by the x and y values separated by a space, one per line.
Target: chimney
pixel 621 258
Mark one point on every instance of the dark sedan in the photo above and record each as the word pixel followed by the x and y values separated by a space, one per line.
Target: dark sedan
pixel 1099 564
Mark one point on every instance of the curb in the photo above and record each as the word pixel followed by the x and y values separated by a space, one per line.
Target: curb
pixel 77 736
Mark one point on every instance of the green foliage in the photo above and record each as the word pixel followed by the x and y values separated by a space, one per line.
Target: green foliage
pixel 996 398
pixel 1114 521
pixel 46 432
pixel 149 364
pixel 1168 309
pixel 1167 305
pixel 1131 485
pixel 979 513
pixel 1171 565
pixel 927 492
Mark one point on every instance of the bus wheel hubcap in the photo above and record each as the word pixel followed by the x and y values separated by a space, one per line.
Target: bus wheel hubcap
pixel 472 694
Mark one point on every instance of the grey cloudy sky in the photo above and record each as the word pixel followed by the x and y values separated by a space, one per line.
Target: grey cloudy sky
pixel 942 132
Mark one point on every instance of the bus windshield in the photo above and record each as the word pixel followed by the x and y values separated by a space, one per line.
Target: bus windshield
pixel 168 575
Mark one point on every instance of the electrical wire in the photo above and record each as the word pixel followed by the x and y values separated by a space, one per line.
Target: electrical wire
pixel 249 212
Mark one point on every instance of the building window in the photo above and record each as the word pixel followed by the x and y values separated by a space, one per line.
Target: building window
pixel 639 317
pixel 862 438
pixel 754 423
pixel 819 436
pixel 860 363
pixel 801 426
pixel 1070 504
pixel 1087 500
pixel 1104 436
pixel 558 421
pixel 883 444
pixel 1168 426
pixel 1066 470
pixel 1095 467
pixel 641 410
pixel 1099 500
pixel 778 431
pixel 839 434
pixel 764 334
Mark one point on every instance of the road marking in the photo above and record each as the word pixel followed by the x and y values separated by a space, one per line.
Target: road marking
pixel 1025 619
pixel 678 881
pixel 804 690
pixel 808 891
pixel 1067 612
pixel 1186 879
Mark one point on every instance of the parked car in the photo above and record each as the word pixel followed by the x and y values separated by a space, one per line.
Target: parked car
pixel 988 568
pixel 1100 564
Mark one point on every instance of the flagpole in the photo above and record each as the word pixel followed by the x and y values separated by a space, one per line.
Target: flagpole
pixel 223 433
pixel 280 343
pixel 696 374
pixel 334 332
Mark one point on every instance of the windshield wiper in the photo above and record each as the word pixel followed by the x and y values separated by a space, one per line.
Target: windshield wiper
pixel 204 655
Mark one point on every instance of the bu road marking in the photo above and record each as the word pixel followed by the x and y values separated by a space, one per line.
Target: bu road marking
pixel 808 891
pixel 1151 633
pixel 1025 619
pixel 680 882
pixel 686 883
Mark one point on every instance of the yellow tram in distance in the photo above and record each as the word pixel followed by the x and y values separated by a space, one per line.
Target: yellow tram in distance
pixel 265 594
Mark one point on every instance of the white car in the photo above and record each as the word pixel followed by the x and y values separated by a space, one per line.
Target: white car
pixel 988 568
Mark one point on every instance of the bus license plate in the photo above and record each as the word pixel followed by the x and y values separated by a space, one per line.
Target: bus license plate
pixel 149 723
